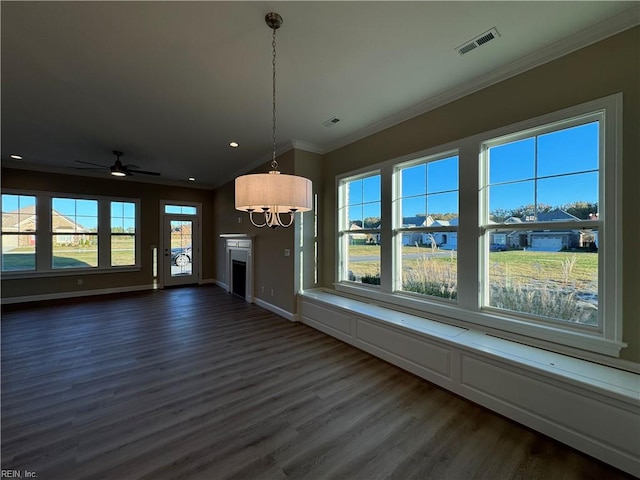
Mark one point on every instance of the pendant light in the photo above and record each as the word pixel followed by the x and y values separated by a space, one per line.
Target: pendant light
pixel 270 195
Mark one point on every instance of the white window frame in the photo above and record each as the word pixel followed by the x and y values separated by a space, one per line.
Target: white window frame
pixel 469 312
pixel 44 236
pixel 135 234
pixel 74 233
pixel 397 218
pixel 608 111
pixel 33 233
pixel 343 227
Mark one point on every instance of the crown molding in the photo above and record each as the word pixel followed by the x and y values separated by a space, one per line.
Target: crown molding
pixel 308 147
pixel 588 36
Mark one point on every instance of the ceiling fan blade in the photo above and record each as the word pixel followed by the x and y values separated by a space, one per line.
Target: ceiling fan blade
pixel 94 164
pixel 89 168
pixel 144 172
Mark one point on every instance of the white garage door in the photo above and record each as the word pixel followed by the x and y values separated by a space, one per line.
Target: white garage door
pixel 550 244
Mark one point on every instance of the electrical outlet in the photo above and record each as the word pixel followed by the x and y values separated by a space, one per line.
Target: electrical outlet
pixel 287 252
pixel 262 289
pixel 272 292
pixel 239 219
pixel 80 281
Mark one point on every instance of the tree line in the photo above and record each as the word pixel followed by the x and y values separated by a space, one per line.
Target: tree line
pixel 581 209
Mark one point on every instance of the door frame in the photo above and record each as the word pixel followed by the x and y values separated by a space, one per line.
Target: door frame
pixel 197 218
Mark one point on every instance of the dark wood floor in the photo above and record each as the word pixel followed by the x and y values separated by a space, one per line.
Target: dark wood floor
pixel 193 383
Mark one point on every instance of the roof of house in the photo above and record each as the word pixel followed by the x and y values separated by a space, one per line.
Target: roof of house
pixel 555 216
pixel 14 218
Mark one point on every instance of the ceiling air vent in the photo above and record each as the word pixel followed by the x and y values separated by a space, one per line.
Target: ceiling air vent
pixel 331 122
pixel 478 41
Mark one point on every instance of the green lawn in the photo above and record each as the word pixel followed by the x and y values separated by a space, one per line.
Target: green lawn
pixel 23 258
pixel 516 264
pixel 554 266
pixel 547 284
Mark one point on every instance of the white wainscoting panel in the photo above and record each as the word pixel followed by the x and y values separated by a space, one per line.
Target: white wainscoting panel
pixel 586 421
pixel 423 357
pixel 332 321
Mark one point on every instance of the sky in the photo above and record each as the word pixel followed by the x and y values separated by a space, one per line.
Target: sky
pixel 566 166
pixel 561 167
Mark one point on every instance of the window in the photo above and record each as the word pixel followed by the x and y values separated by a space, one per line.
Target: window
pixel 90 233
pixel 517 230
pixel 74 227
pixel 541 222
pixel 123 233
pixel 18 232
pixel 360 220
pixel 426 226
pixel 180 210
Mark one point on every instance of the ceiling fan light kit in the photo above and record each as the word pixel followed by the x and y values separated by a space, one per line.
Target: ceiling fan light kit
pixel 273 194
pixel 117 169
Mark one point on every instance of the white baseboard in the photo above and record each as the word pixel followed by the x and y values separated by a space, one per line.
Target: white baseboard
pixel 75 294
pixel 216 282
pixel 292 317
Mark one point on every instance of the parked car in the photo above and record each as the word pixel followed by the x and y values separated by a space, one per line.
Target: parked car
pixel 181 256
pixel 497 247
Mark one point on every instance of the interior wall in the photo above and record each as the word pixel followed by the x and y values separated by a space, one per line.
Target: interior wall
pixel 309 165
pixel 273 271
pixel 149 195
pixel 601 69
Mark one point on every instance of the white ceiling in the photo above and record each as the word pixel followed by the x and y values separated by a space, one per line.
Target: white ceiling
pixel 172 83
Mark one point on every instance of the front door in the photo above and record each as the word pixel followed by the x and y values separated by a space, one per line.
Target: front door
pixel 181 255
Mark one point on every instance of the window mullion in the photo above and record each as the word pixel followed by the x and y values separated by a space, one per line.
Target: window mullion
pixel 386 229
pixel 104 233
pixel 44 234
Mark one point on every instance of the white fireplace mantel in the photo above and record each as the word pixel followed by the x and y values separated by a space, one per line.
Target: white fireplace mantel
pixel 239 246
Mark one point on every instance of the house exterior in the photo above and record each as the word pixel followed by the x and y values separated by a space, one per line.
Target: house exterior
pixel 363 238
pixel 443 240
pixel 541 240
pixel 24 220
pixel 20 221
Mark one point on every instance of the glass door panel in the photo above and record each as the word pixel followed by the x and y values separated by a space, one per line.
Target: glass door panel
pixel 180 251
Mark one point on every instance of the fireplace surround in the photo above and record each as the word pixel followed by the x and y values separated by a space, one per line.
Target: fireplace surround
pixel 239 264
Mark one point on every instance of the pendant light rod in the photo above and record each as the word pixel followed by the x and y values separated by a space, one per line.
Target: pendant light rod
pixel 274 21
pixel 273 194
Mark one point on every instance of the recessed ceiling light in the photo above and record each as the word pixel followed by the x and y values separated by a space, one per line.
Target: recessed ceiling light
pixel 234 144
pixel 16 157
pixel 192 179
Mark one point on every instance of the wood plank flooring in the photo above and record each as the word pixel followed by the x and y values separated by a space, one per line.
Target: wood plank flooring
pixel 193 383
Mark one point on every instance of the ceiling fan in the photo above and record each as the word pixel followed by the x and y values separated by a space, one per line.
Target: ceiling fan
pixel 117 169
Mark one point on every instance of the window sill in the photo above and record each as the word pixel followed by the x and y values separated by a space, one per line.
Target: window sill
pixel 68 272
pixel 578 343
